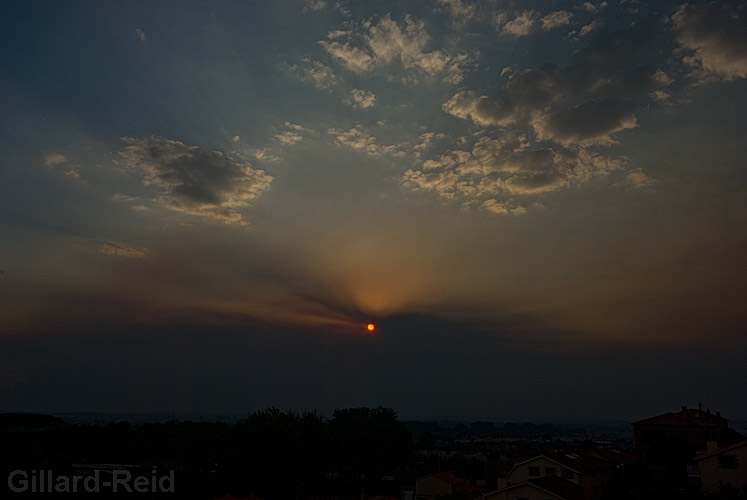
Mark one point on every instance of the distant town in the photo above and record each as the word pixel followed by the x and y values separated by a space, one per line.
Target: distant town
pixel 369 454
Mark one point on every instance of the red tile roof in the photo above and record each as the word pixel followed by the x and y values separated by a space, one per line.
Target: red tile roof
pixel 449 477
pixel 687 417
pixel 705 454
pixel 590 461
pixel 562 488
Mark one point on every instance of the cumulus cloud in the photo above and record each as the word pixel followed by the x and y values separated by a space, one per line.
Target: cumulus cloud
pixel 192 180
pixel 366 46
pixel 141 35
pixel 121 251
pixel 360 98
pixel 714 37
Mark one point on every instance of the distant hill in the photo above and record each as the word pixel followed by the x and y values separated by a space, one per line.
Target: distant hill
pixel 27 421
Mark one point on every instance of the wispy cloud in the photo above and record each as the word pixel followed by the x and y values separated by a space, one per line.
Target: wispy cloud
pixel 290 133
pixel 366 46
pixel 556 19
pixel 360 98
pixel 360 140
pixel 118 250
pixel 521 24
pixel 313 73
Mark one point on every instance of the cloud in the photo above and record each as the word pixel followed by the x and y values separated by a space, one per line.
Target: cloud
pixel 592 7
pixel 314 5
pixel 192 180
pixel 556 19
pixel 53 159
pixel 59 163
pixel 714 37
pixel 588 123
pixel 521 25
pixel 313 73
pixel 292 133
pixel 460 11
pixel 141 35
pixel 426 140
pixel 360 98
pixel 358 139
pixel 123 197
pixel 637 178
pixel 589 28
pixel 583 103
pixel 264 154
pixel 121 251
pixel 367 46
pixel 500 171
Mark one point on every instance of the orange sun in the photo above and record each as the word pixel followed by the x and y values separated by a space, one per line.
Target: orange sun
pixel 371 327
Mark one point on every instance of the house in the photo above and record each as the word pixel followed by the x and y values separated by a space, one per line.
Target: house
pixel 442 485
pixel 719 467
pixel 591 469
pixel 667 443
pixel 688 428
pixel 543 488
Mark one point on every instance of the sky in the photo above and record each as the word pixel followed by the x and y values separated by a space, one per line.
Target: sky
pixel 541 205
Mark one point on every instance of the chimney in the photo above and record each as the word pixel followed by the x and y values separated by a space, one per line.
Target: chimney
pixel 711 446
pixel 684 408
pixel 708 411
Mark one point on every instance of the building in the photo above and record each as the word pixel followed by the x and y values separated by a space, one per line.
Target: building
pixel 668 443
pixel 720 467
pixel 543 488
pixel 594 469
pixel 442 485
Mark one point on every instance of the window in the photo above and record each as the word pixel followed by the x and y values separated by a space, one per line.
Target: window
pixel 534 471
pixel 727 461
pixel 567 474
pixel 549 471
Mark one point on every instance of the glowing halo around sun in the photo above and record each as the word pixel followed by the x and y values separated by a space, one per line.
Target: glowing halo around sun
pixel 370 327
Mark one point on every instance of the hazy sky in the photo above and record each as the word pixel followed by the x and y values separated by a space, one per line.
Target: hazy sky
pixel 542 206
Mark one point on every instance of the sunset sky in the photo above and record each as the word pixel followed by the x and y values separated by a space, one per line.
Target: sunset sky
pixel 541 205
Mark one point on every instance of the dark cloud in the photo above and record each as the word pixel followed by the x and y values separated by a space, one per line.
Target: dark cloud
pixel 591 122
pixel 193 180
pixel 559 111
pixel 714 36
